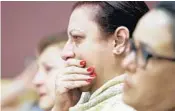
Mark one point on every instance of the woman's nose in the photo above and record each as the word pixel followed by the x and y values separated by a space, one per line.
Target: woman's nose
pixel 38 79
pixel 67 52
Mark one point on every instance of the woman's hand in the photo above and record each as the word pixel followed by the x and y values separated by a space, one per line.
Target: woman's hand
pixel 68 81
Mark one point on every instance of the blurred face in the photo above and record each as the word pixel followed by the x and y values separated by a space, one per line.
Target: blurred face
pixel 150 81
pixel 44 81
pixel 86 42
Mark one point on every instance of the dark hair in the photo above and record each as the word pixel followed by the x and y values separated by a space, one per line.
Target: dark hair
pixel 112 14
pixel 56 39
pixel 169 7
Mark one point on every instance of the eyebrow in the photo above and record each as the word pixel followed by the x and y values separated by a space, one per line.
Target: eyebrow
pixel 70 32
pixel 47 64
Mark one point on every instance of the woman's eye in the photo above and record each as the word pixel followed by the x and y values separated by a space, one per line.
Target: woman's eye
pixel 48 68
pixel 76 37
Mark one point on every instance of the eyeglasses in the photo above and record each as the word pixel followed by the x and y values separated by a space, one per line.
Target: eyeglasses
pixel 143 54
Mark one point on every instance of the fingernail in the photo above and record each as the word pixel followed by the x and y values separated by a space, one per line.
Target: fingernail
pixel 83 63
pixel 93 75
pixel 90 69
pixel 88 80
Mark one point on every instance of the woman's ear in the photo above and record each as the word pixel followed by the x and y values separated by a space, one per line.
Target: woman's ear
pixel 121 38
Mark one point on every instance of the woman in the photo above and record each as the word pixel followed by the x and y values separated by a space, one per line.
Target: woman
pixel 49 59
pixel 98 37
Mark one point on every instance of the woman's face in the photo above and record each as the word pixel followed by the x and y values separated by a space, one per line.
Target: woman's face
pixel 87 42
pixel 151 83
pixel 44 81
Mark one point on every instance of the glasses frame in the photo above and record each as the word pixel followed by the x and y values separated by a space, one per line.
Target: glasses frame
pixel 146 54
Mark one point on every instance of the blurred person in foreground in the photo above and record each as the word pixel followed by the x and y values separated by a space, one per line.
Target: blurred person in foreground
pixel 48 60
pixel 150 65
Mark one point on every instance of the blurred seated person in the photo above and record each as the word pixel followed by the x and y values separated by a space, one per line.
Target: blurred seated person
pixel 48 60
pixel 18 94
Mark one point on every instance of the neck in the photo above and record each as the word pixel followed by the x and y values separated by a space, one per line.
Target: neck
pixel 105 75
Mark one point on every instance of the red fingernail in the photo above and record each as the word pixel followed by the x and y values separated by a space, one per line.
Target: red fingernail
pixel 83 63
pixel 89 80
pixel 93 75
pixel 90 69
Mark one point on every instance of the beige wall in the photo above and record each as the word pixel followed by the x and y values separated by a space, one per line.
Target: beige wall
pixel 24 24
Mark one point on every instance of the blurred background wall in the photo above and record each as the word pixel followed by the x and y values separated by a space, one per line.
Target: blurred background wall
pixel 23 24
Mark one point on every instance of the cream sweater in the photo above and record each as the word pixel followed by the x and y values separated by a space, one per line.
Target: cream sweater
pixel 106 98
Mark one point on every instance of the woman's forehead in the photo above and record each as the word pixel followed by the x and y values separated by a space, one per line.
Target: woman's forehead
pixel 80 23
pixel 81 16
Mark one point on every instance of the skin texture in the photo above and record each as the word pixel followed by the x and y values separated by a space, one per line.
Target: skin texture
pixel 44 80
pixel 150 87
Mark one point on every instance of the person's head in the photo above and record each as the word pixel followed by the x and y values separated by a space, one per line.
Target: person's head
pixel 98 33
pixel 49 58
pixel 150 65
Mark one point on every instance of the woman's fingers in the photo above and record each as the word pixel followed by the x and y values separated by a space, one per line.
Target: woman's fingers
pixel 74 66
pixel 69 79
pixel 65 86
pixel 76 77
pixel 75 62
pixel 77 70
pixel 65 82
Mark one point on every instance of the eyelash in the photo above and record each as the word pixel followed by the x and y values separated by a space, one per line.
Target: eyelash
pixel 77 38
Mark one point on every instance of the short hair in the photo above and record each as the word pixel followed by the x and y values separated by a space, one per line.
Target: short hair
pixel 113 14
pixel 169 7
pixel 55 39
